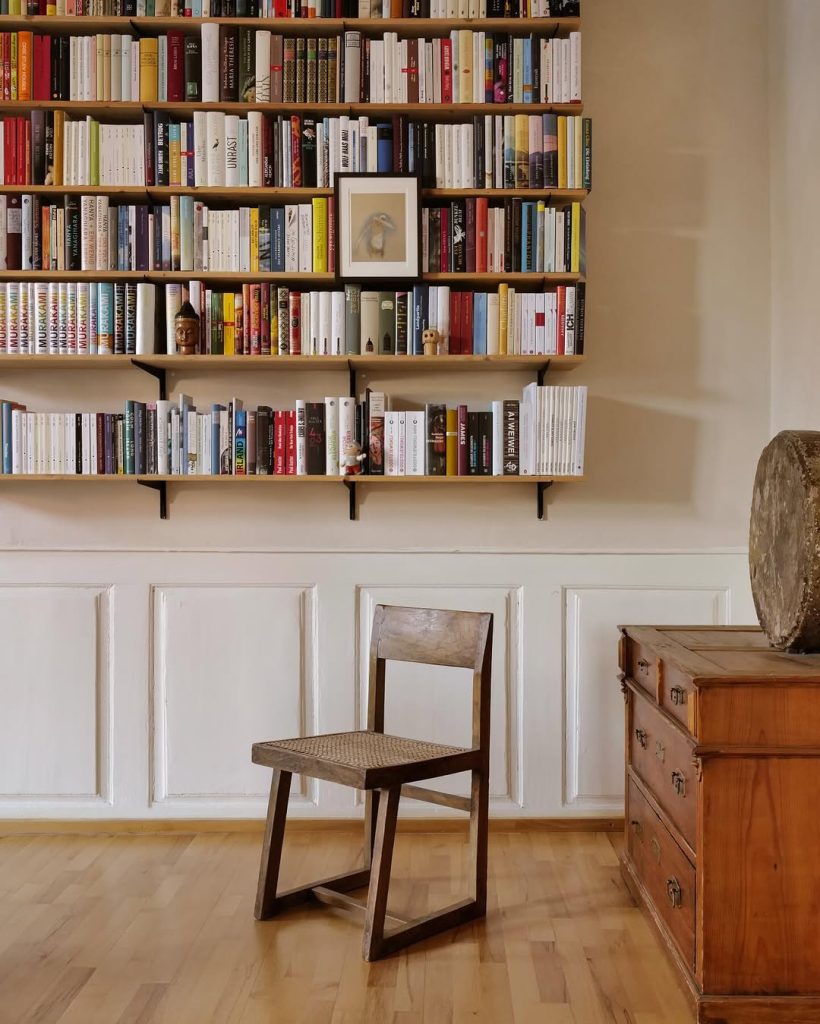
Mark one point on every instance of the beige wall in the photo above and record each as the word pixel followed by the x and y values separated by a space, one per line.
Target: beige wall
pixel 795 213
pixel 678 336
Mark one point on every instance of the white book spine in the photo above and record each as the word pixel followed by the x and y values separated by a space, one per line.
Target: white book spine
pixel 347 427
pixel 255 119
pixel 146 307
pixel 231 153
pixel 262 66
pixel 301 437
pixel 305 242
pixel 338 344
pixel 27 230
pixel 332 436
pixel 200 148
pixel 23 318
pixel 391 445
pixel 216 145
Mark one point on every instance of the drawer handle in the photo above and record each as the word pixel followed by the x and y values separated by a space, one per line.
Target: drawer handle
pixel 679 782
pixel 673 891
pixel 643 665
pixel 660 751
pixel 640 736
pixel 678 695
pixel 637 828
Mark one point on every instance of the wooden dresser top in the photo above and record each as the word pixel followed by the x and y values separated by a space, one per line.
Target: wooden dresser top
pixel 725 654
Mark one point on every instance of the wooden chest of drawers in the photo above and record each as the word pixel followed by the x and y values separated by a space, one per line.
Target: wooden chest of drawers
pixel 723 815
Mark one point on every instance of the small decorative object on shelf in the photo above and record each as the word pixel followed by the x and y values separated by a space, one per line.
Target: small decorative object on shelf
pixel 431 339
pixel 352 459
pixel 186 330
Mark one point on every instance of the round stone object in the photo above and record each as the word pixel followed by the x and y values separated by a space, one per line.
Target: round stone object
pixel 784 540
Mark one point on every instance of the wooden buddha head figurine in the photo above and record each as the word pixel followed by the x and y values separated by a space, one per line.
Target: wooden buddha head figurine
pixel 186 330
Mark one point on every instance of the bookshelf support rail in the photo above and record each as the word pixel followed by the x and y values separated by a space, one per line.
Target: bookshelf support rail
pixel 539 496
pixel 353 500
pixel 156 371
pixel 162 487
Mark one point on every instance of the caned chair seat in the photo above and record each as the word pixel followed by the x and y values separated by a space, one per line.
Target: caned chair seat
pixel 364 760
pixel 386 767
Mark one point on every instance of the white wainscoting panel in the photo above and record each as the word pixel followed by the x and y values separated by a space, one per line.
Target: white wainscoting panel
pixel 435 703
pixel 232 665
pixel 54 693
pixel 594 765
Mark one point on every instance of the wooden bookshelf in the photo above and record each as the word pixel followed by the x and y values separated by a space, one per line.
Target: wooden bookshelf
pixel 439 367
pixel 427 27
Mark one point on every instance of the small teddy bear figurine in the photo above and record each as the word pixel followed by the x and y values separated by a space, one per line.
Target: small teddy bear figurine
pixel 352 459
pixel 431 340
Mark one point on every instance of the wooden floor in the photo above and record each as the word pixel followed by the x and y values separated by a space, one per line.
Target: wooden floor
pixel 150 929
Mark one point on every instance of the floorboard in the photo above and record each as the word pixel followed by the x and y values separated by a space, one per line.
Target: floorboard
pixel 140 929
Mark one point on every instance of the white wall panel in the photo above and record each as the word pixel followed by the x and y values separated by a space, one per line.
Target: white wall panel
pixel 53 692
pixel 594 774
pixel 232 665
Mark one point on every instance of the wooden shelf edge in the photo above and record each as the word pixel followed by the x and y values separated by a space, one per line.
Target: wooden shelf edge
pixel 483 481
pixel 274 192
pixel 216 363
pixel 169 276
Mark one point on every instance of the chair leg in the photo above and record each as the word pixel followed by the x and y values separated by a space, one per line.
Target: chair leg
pixel 479 813
pixel 388 806
pixel 272 845
pixel 371 811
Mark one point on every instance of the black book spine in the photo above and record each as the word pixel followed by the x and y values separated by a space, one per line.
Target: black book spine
pixel 309 153
pixel 510 431
pixel 516 236
pixel 55 69
pixel 36 235
pixel 586 126
pixel 229 64
pixel 478 152
pixel 315 438
pixel 151 440
pixel 193 70
pixel 108 441
pixel 458 235
pixel 567 237
pixel 472 443
pixel 38 150
pixel 78 442
pixel 485 443
pixel 139 438
pixel 508 236
pixel 65 68
pixel 150 148
pixel 580 316
pixel 48 146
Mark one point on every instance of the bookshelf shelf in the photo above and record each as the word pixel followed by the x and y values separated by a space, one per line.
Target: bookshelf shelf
pixel 407 27
pixel 555 196
pixel 124 111
pixel 312 277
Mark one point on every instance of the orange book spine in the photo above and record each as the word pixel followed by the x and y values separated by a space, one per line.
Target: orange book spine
pixel 24 65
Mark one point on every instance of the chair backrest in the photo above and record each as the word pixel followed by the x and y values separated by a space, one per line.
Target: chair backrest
pixel 432 636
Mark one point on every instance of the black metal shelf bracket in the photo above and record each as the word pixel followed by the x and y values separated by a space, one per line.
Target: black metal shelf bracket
pixel 539 496
pixel 155 371
pixel 351 379
pixel 541 373
pixel 353 506
pixel 162 487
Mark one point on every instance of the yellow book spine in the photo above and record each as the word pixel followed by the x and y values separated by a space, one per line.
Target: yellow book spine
pixel 174 158
pixel 148 70
pixel 228 323
pixel 575 240
pixel 13 41
pixel 522 151
pixel 274 321
pixel 254 239
pixel 562 152
pixel 503 296
pixel 319 235
pixel 465 66
pixel 51 10
pixel 59 142
pixel 452 443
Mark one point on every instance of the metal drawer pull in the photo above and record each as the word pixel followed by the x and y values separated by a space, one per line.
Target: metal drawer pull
pixel 640 736
pixel 673 891
pixel 679 782
pixel 660 751
pixel 637 828
pixel 643 665
pixel 678 695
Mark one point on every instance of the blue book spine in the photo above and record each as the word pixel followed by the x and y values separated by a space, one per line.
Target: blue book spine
pixel 5 416
pixel 215 412
pixel 525 237
pixel 480 324
pixel 384 148
pixel 419 317
pixel 240 436
pixel 277 239
pixel 527 76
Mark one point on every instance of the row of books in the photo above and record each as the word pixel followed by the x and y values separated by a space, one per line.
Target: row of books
pixel 296 8
pixel 137 318
pixel 87 233
pixel 516 236
pixel 232 64
pixel 543 434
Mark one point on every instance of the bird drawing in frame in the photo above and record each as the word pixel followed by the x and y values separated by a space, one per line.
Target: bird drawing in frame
pixel 374 234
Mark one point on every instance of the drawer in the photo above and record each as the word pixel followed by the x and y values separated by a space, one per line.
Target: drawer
pixel 641 665
pixel 663 758
pixel 678 696
pixel 662 867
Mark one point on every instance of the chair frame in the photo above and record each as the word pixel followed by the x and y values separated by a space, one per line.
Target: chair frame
pixel 459 639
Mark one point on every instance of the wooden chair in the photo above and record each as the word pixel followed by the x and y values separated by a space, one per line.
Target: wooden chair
pixel 386 768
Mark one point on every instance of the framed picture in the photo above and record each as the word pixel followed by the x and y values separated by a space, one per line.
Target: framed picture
pixel 378 227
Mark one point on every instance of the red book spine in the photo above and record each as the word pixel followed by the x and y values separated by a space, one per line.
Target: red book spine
pixel 455 323
pixel 481 235
pixel 446 71
pixel 295 327
pixel 44 85
pixel 267 153
pixel 471 236
pixel 8 143
pixel 176 67
pixel 562 318
pixel 444 265
pixel 463 443
pixel 466 323
pixel 256 320
pixel 264 318
pixel 296 150
pixel 279 442
pixel 290 443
